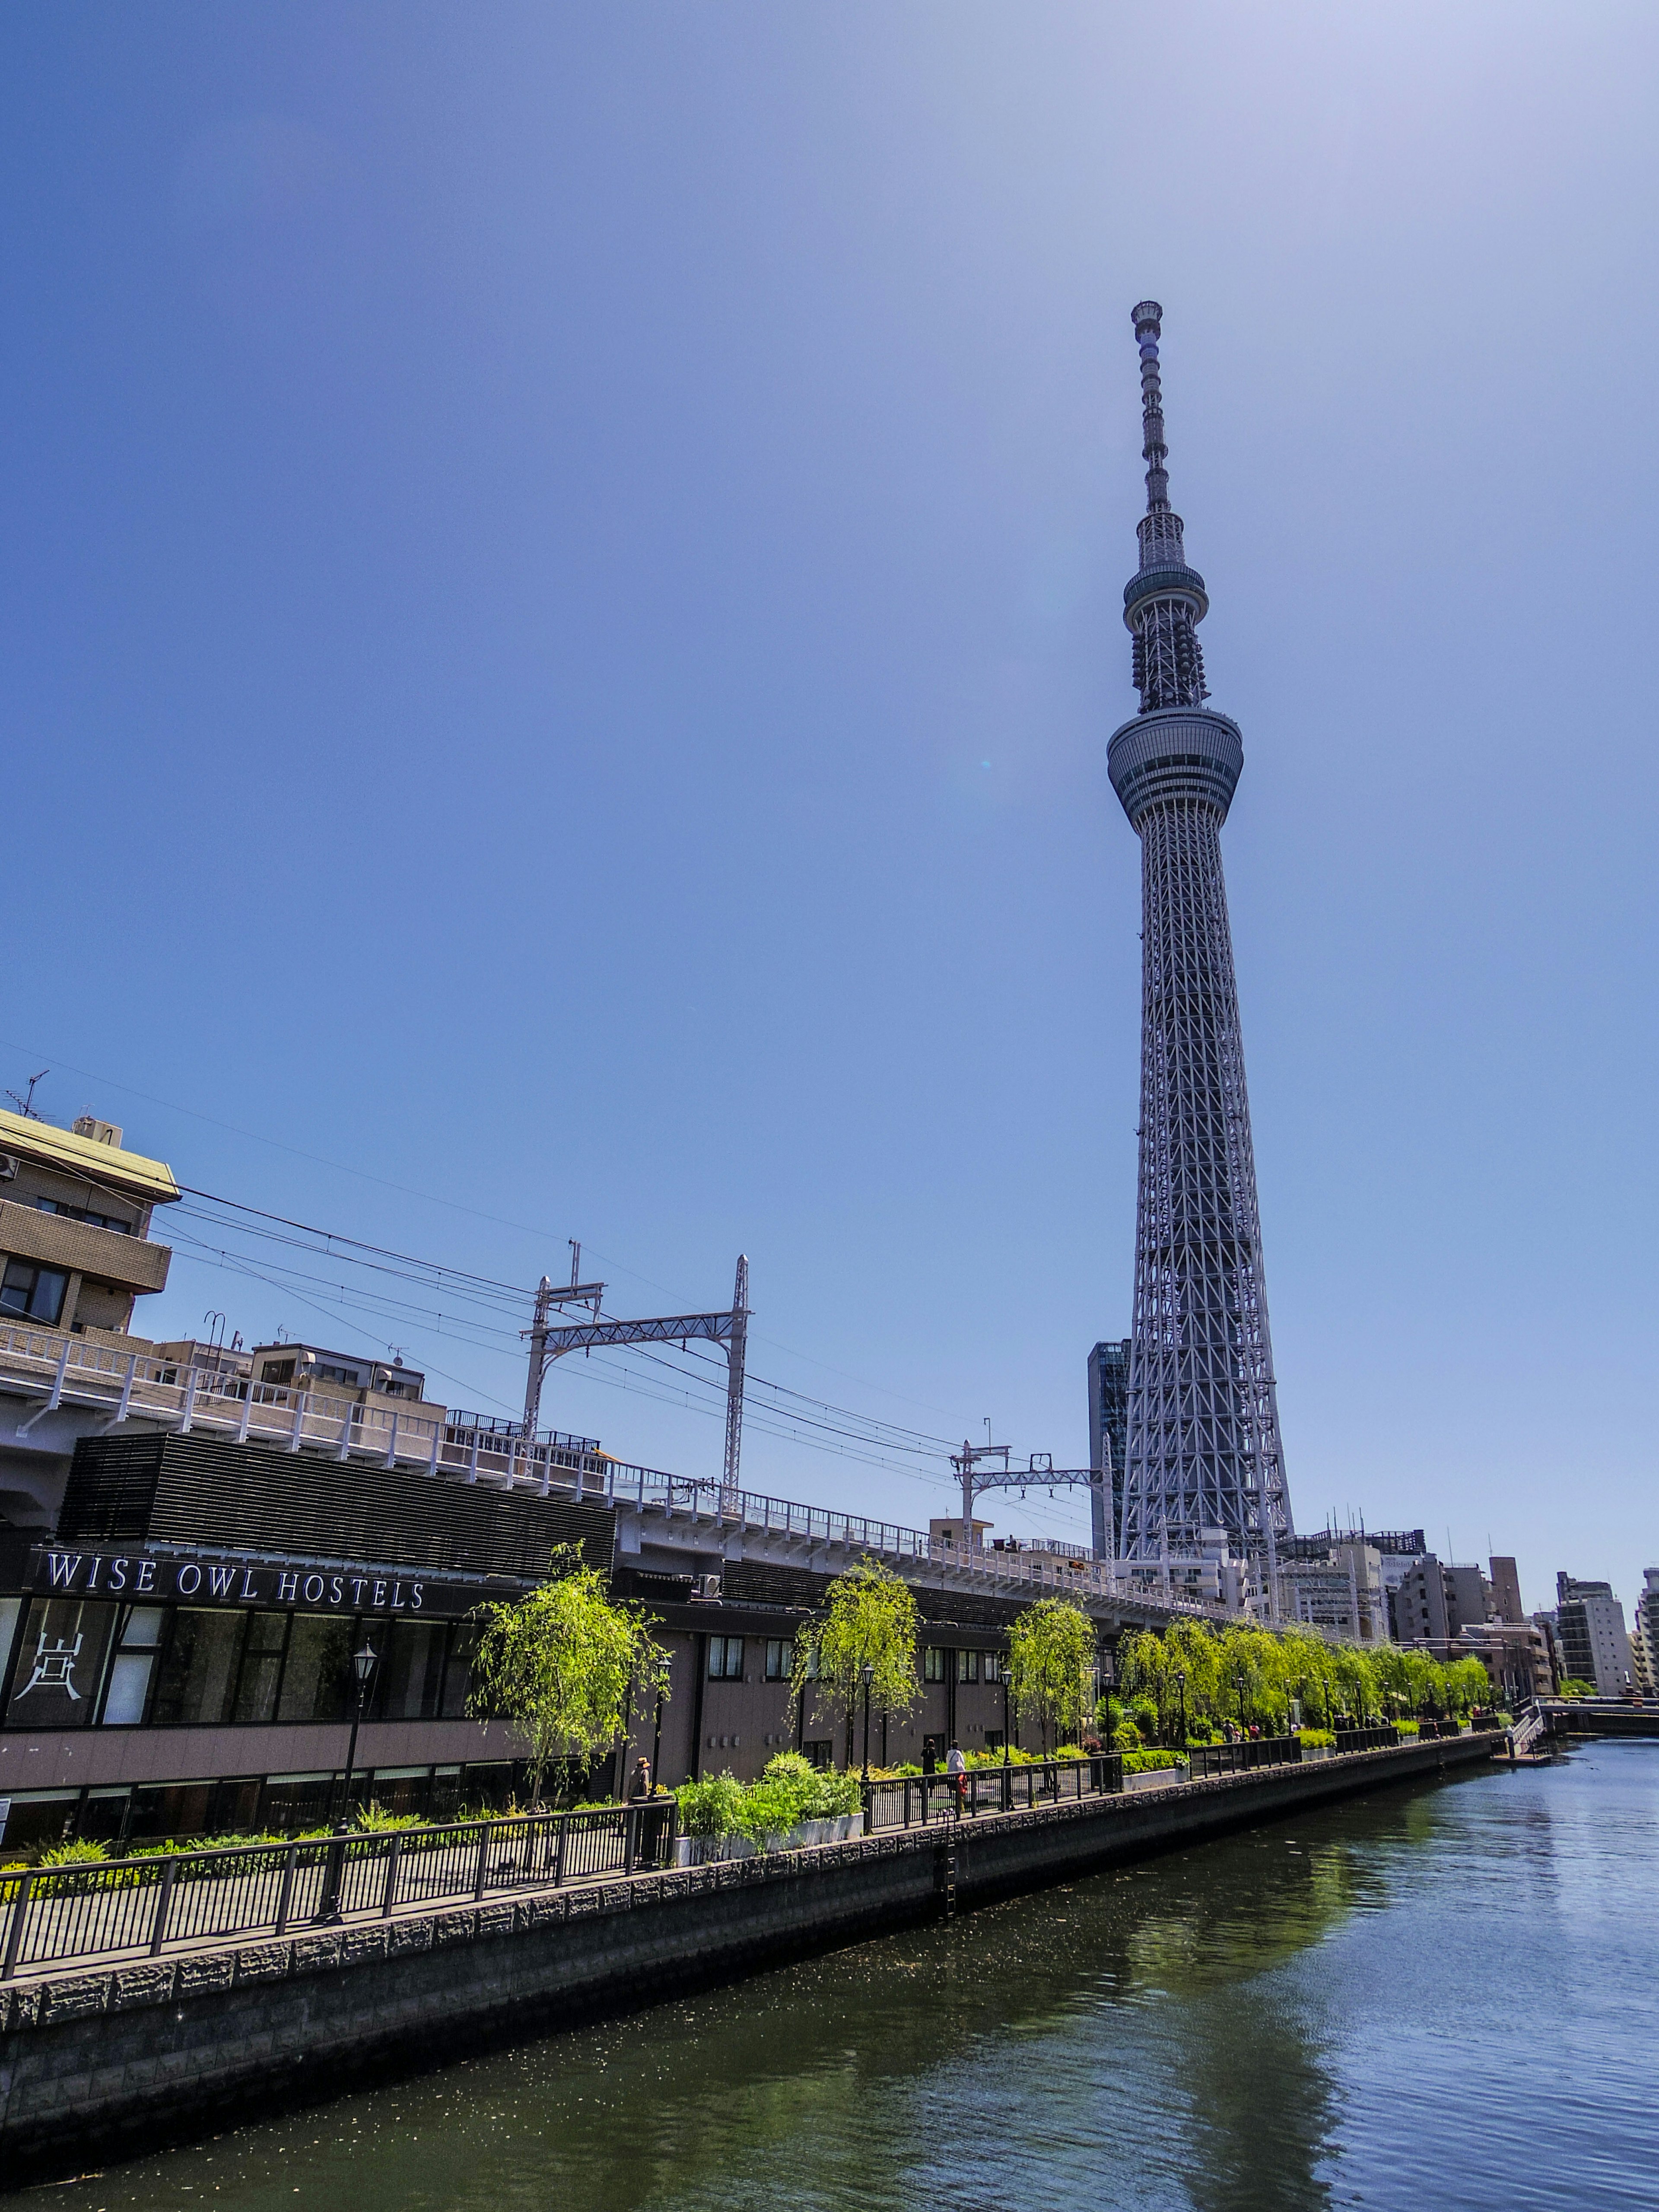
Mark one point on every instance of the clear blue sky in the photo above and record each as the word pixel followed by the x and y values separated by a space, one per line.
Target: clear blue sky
pixel 560 585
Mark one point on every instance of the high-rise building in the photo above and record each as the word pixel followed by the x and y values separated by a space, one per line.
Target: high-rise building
pixel 1645 1642
pixel 1589 1621
pixel 1203 1444
pixel 1506 1604
pixel 1108 1438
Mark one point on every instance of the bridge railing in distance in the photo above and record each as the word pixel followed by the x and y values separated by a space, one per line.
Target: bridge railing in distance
pixel 150 1905
pixel 1376 1738
pixel 1243 1758
pixel 915 1800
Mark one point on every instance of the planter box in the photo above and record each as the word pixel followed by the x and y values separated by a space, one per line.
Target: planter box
pixel 1310 1751
pixel 703 1850
pixel 1157 1777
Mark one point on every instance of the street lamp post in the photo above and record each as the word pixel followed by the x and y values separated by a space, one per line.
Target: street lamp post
pixel 364 1663
pixel 1238 1679
pixel 866 1674
pixel 1181 1684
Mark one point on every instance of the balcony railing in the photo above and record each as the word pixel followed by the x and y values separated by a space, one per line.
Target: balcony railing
pixel 913 1801
pixel 149 1906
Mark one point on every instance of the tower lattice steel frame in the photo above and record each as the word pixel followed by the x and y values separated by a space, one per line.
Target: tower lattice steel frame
pixel 1203 1417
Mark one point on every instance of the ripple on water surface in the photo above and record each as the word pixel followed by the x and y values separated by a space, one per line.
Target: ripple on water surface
pixel 1439 1998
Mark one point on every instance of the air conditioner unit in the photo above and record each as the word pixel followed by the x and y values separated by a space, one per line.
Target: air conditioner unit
pixel 10 1164
pixel 706 1586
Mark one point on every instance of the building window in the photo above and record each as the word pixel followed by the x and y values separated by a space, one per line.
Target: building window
pixel 409 1678
pixel 262 1666
pixel 197 1678
pixel 84 1214
pixel 822 1755
pixel 780 1658
pixel 36 1293
pixel 966 1666
pixel 318 1679
pixel 725 1658
pixel 128 1693
pixel 933 1663
pixel 994 1666
pixel 59 1670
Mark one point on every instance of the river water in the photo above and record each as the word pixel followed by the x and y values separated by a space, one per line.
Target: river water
pixel 1438 1997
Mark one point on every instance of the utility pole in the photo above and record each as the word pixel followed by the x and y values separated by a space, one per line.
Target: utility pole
pixel 580 1293
pixel 731 1330
pixel 736 1352
pixel 964 1463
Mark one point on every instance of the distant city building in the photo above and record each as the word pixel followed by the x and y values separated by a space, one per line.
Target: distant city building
pixel 1109 1432
pixel 1595 1643
pixel 1335 1582
pixel 1644 1645
pixel 1506 1604
pixel 1516 1654
pixel 75 1215
pixel 1432 1603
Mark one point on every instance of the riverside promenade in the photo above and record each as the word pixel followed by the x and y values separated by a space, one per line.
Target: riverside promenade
pixel 94 2059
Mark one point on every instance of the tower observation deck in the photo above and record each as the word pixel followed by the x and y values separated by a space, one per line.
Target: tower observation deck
pixel 1203 1444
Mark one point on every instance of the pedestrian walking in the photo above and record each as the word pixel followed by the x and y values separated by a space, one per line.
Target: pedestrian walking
pixel 957 1767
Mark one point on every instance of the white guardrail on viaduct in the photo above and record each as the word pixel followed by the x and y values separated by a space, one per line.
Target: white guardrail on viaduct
pixel 62 1373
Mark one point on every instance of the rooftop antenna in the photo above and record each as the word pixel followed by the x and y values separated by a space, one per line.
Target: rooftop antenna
pixel 25 1104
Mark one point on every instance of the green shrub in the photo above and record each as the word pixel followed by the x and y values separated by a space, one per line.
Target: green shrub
pixel 1319 1739
pixel 377 1817
pixel 766 1810
pixel 833 1795
pixel 709 1808
pixel 1126 1737
pixel 82 1853
pixel 1144 1762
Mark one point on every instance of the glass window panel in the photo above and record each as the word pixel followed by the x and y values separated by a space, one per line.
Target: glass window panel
pixel 128 1685
pixel 199 1669
pixel 61 1664
pixel 262 1666
pixel 37 1293
pixel 458 1671
pixel 966 1666
pixel 318 1679
pixel 411 1682
pixel 145 1627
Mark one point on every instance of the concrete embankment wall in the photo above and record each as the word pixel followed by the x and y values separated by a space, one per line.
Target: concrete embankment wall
pixel 92 2059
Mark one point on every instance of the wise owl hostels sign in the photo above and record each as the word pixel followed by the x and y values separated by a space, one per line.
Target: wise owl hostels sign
pixel 265 1584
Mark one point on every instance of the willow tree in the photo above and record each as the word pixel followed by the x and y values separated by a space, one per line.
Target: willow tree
pixel 869 1620
pixel 562 1665
pixel 1051 1666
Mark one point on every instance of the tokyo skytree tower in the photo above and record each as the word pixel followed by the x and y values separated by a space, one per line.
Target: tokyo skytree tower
pixel 1203 1416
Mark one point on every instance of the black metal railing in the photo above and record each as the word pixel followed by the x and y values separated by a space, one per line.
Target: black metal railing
pixel 1429 1730
pixel 1243 1758
pixel 1369 1739
pixel 915 1800
pixel 146 1906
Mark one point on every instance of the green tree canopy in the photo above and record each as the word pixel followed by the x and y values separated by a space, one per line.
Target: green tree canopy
pixel 869 1620
pixel 559 1664
pixel 1051 1666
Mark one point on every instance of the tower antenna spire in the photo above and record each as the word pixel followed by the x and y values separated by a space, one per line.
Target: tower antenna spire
pixel 1202 1448
pixel 1165 601
pixel 1149 326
